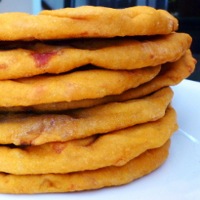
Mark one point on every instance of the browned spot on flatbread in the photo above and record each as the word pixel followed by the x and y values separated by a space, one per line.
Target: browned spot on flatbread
pixel 42 59
pixel 3 66
pixel 47 183
pixel 58 147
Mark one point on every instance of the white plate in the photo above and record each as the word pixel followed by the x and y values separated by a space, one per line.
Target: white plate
pixel 177 179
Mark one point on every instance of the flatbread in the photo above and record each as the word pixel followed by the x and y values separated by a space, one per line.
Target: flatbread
pixel 111 149
pixel 86 21
pixel 27 59
pixel 72 86
pixel 39 129
pixel 170 74
pixel 86 180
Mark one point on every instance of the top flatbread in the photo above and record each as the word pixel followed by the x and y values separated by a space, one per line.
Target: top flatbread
pixel 86 21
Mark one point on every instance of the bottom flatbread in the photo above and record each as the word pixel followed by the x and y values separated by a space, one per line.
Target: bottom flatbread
pixel 86 180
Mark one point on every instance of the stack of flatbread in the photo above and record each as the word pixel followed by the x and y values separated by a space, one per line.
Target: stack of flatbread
pixel 85 96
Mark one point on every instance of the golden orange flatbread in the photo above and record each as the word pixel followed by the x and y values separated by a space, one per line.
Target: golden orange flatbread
pixel 27 59
pixel 86 180
pixel 111 149
pixel 86 21
pixel 72 86
pixel 35 129
pixel 170 74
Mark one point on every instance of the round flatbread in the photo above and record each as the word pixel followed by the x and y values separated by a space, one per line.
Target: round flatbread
pixel 72 86
pixel 116 54
pixel 170 74
pixel 86 21
pixel 111 149
pixel 32 129
pixel 86 180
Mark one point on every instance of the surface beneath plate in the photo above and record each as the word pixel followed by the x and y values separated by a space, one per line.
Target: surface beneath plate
pixel 177 179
